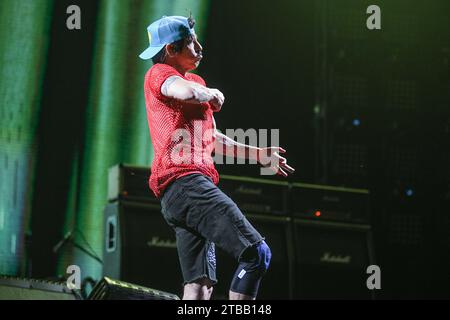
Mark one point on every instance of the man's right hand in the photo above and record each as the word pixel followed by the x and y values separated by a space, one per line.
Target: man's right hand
pixel 192 92
pixel 217 101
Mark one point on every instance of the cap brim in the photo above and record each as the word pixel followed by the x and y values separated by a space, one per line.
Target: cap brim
pixel 150 52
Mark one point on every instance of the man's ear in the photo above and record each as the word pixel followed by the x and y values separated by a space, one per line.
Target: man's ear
pixel 170 50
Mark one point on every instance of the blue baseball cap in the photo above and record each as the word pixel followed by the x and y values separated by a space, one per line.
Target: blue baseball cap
pixel 166 31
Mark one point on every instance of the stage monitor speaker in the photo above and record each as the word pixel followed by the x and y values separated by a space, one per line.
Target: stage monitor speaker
pixel 278 282
pixel 332 259
pixel 29 289
pixel 140 247
pixel 109 289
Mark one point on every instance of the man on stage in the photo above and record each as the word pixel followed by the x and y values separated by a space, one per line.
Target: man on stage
pixel 180 110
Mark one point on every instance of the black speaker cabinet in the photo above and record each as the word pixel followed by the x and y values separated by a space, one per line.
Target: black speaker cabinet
pixel 278 282
pixel 140 247
pixel 332 259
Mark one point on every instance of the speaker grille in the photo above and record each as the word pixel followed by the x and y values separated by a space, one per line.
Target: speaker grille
pixel 146 250
pixel 331 260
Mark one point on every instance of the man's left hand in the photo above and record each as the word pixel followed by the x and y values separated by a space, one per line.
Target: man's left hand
pixel 270 157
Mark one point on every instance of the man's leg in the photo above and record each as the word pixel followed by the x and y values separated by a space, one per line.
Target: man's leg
pixel 210 214
pixel 240 296
pixel 253 265
pixel 198 264
pixel 196 254
pixel 199 290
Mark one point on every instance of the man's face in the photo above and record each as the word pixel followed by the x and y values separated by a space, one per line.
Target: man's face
pixel 190 56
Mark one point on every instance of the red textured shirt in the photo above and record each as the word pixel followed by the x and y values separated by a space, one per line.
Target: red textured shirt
pixel 182 133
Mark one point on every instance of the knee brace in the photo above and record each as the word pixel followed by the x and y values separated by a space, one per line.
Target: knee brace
pixel 253 264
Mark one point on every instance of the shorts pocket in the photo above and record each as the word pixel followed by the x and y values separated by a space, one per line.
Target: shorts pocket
pixel 172 196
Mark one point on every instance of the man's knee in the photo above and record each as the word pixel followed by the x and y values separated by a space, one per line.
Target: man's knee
pixel 265 255
pixel 253 265
pixel 258 257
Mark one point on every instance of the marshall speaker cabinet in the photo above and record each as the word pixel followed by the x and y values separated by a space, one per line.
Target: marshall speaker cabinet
pixel 329 203
pixel 332 259
pixel 256 195
pixel 140 247
pixel 130 183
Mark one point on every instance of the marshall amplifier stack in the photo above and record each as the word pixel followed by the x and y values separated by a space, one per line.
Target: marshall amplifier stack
pixel 329 203
pixel 139 247
pixel 333 241
pixel 320 237
pixel 256 195
pixel 129 183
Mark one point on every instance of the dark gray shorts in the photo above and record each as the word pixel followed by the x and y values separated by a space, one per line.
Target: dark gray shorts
pixel 202 217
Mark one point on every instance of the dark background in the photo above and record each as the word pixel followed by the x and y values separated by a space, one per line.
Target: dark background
pixel 269 61
pixel 355 108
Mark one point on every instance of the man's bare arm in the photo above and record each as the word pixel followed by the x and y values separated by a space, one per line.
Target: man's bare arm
pixel 192 92
pixel 230 148
pixel 267 157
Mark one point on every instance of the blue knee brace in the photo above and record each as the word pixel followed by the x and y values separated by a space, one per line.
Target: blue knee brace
pixel 253 264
